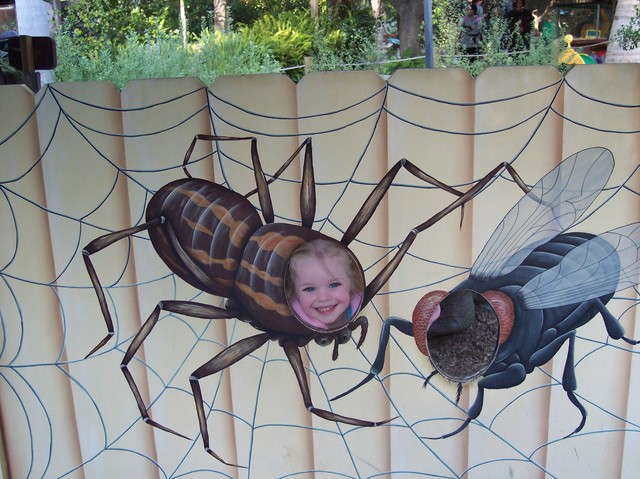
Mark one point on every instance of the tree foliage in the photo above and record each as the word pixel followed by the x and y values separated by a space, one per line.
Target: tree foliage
pixel 246 12
pixel 106 24
pixel 628 35
pixel 122 40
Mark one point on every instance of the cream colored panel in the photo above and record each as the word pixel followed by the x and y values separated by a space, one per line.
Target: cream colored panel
pixel 104 155
pixel 82 182
pixel 514 123
pixel 604 373
pixel 265 390
pixel 430 124
pixel 33 309
pixel 160 120
pixel 344 114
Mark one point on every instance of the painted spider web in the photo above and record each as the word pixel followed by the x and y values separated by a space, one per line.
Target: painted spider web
pixel 73 416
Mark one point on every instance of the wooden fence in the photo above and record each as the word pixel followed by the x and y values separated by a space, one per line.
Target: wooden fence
pixel 80 160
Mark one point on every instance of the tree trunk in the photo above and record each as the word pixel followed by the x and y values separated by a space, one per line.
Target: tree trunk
pixel 183 23
pixel 625 11
pixel 220 12
pixel 410 15
pixel 57 11
pixel 376 7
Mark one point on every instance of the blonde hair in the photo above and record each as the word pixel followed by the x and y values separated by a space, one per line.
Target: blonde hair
pixel 322 248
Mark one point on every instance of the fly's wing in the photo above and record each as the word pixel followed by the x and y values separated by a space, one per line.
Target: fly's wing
pixel 553 205
pixel 600 266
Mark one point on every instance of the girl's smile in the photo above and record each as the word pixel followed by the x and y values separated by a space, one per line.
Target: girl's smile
pixel 323 288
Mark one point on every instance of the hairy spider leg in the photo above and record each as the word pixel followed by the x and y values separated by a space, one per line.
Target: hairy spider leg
pixel 187 308
pixel 366 212
pixel 292 351
pixel 222 360
pixel 307 190
pixel 99 244
pixel 371 203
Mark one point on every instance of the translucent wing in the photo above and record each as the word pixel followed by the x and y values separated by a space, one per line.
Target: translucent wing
pixel 553 205
pixel 604 264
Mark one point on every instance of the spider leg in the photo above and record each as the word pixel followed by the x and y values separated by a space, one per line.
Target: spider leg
pixel 307 191
pixel 308 188
pixel 99 244
pixel 373 200
pixel 371 203
pixel 293 354
pixel 263 189
pixel 362 323
pixel 197 310
pixel 401 325
pixel 223 360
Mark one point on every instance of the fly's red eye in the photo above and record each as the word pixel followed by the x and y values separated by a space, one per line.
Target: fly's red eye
pixel 422 317
pixel 503 306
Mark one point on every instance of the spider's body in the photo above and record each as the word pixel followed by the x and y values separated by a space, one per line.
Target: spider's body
pixel 215 240
pixel 223 248
pixel 212 226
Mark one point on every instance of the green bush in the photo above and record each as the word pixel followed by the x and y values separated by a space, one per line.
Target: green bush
pixel 349 41
pixel 246 12
pixel 493 49
pixel 106 24
pixel 289 36
pixel 210 55
pixel 628 35
pixel 230 54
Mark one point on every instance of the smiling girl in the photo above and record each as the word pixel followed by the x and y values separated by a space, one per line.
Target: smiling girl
pixel 324 284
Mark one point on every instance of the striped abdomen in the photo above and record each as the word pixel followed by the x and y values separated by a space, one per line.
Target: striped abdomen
pixel 206 231
pixel 260 280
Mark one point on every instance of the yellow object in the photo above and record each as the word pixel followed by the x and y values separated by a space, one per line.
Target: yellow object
pixel 570 56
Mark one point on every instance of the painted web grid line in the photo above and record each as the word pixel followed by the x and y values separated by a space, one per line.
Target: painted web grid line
pixel 10 359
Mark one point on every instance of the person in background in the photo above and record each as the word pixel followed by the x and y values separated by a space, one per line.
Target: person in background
pixel 471 29
pixel 519 21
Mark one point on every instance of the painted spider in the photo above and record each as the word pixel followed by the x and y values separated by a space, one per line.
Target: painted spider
pixel 214 239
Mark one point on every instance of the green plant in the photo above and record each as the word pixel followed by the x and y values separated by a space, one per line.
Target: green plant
pixel 499 47
pixel 289 36
pixel 106 24
pixel 209 55
pixel 628 35
pixel 347 40
pixel 246 12
pixel 230 54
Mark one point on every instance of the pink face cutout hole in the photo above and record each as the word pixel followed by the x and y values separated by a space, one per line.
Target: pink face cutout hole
pixel 324 285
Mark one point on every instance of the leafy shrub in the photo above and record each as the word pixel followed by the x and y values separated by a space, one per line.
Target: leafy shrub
pixel 230 54
pixel 98 24
pixel 208 56
pixel 289 36
pixel 628 35
pixel 246 12
pixel 494 48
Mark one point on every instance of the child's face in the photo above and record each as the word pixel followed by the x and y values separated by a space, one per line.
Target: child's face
pixel 323 288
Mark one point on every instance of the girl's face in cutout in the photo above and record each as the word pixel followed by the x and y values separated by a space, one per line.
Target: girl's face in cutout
pixel 323 287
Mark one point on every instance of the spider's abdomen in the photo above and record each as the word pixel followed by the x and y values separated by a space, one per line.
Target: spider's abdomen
pixel 260 281
pixel 206 230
